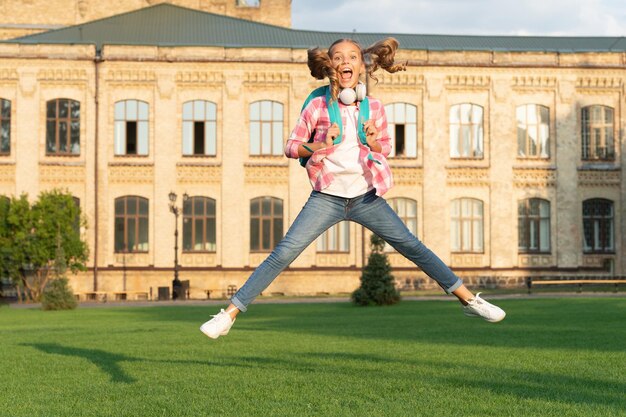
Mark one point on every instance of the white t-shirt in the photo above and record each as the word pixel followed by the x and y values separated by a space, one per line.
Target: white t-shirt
pixel 344 163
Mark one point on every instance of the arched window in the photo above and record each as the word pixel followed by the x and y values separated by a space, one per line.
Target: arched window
pixel 598 226
pixel 266 223
pixel 199 128
pixel 467 225
pixel 5 127
pixel 402 128
pixel 199 225
pixel 533 131
pixel 131 224
pixel 335 239
pixel 62 127
pixel 598 133
pixel 533 224
pixel 266 128
pixel 131 127
pixel 466 131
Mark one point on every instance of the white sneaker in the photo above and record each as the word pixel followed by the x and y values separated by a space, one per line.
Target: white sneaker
pixel 218 326
pixel 477 307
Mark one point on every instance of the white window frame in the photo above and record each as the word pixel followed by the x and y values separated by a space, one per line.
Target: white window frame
pixel 266 128
pixel 467 225
pixel 466 131
pixel 199 111
pixel 402 114
pixel 132 111
pixel 533 131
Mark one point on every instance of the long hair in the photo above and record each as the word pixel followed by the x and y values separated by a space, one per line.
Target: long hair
pixel 379 55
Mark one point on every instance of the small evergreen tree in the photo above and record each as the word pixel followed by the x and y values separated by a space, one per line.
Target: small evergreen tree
pixel 377 283
pixel 58 295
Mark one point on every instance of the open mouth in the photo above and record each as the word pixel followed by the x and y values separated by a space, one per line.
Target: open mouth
pixel 346 74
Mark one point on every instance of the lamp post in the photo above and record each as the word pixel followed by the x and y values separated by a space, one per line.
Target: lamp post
pixel 176 284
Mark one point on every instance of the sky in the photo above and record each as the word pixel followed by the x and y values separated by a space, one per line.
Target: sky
pixel 464 17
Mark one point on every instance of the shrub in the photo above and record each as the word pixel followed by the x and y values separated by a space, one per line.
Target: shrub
pixel 377 283
pixel 58 295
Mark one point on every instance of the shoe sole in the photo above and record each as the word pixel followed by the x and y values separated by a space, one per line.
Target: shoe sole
pixel 496 320
pixel 224 333
pixel 213 336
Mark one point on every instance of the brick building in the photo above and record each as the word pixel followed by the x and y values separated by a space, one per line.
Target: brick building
pixel 508 150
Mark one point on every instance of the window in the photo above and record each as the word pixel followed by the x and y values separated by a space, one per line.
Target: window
pixel 5 126
pixel 266 128
pixel 598 226
pixel 597 133
pixel 199 225
pixel 402 128
pixel 131 224
pixel 335 239
pixel 131 127
pixel 406 209
pixel 248 3
pixel 63 127
pixel 467 225
pixel 199 128
pixel 533 131
pixel 466 131
pixel 533 226
pixel 266 223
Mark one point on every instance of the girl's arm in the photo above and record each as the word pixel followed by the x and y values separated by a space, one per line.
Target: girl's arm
pixel 297 145
pixel 376 130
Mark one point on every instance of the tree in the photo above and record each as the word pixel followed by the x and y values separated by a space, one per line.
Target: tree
pixel 58 295
pixel 31 238
pixel 377 283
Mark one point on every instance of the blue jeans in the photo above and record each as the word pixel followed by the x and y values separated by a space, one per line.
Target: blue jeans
pixel 320 212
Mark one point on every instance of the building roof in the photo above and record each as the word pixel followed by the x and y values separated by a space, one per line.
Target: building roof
pixel 169 25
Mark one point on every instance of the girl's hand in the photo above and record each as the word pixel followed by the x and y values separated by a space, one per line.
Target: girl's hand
pixel 371 133
pixel 331 134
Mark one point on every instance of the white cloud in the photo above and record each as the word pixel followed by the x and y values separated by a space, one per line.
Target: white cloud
pixel 479 17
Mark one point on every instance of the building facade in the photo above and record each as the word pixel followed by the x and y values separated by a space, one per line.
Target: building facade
pixel 507 163
pixel 27 17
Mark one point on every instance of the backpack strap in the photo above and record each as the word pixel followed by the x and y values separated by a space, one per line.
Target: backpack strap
pixel 320 91
pixel 364 115
pixel 335 117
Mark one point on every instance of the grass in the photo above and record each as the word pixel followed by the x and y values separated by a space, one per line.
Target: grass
pixel 550 357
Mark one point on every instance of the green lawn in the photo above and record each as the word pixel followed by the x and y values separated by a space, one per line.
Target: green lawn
pixel 550 357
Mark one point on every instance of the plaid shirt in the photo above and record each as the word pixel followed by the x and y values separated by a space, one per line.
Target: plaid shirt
pixel 315 117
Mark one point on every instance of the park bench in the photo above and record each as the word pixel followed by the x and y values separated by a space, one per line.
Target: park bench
pixel 93 296
pixel 229 292
pixel 579 281
pixel 130 295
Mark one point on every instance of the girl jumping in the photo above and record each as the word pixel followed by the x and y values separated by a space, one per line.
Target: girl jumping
pixel 348 170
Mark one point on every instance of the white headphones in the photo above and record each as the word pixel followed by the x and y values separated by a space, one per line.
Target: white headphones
pixel 349 95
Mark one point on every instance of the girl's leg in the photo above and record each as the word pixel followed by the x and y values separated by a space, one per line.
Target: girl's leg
pixel 318 214
pixel 375 214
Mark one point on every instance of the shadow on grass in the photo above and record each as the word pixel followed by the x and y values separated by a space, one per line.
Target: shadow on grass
pixel 106 361
pixel 109 362
pixel 462 374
